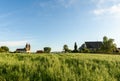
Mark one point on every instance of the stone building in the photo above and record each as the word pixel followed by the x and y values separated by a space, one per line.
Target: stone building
pixel 26 49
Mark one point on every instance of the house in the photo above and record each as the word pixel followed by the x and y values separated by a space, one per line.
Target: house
pixel 26 49
pixel 20 50
pixel 93 45
pixel 39 51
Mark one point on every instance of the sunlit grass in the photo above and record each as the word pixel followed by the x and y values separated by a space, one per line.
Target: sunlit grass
pixel 59 67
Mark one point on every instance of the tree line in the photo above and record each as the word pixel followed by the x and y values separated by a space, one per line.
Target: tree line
pixel 108 46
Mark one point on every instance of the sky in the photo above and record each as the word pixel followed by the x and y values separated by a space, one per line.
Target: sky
pixel 53 23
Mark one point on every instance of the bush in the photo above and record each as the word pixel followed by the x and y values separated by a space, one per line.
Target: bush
pixel 85 50
pixel 4 49
pixel 47 49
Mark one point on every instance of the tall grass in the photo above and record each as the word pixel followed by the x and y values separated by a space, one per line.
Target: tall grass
pixel 59 67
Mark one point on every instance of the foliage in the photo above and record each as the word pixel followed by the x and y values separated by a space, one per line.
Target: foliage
pixel 47 49
pixel 85 50
pixel 4 49
pixel 59 67
pixel 108 45
pixel 65 48
pixel 75 48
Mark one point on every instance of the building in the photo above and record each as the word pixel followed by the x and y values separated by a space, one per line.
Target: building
pixel 26 49
pixel 93 45
pixel 39 51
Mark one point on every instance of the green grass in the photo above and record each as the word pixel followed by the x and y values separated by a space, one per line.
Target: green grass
pixel 59 67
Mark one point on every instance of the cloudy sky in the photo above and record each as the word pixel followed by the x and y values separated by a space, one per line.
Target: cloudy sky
pixel 57 22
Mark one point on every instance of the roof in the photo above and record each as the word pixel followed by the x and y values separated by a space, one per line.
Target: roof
pixel 95 45
pixel 21 49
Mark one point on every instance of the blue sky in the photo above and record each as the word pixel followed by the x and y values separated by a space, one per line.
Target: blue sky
pixel 54 23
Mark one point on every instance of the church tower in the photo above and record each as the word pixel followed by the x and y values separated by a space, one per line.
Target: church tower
pixel 27 48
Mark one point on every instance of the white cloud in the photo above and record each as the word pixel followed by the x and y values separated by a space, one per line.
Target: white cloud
pixel 99 11
pixel 113 10
pixel 13 43
pixel 105 3
pixel 109 8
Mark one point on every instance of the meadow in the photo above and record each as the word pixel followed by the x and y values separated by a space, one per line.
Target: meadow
pixel 59 67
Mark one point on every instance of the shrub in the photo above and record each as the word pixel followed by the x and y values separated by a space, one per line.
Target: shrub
pixel 4 49
pixel 85 50
pixel 47 49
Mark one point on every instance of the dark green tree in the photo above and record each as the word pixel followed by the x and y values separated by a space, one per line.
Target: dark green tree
pixel 65 48
pixel 108 45
pixel 4 49
pixel 47 49
pixel 1 50
pixel 75 48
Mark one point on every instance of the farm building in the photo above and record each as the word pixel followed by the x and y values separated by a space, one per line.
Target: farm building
pixel 24 50
pixel 39 51
pixel 91 45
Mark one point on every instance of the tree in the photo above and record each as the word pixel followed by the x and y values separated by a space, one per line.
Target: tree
pixel 4 49
pixel 85 50
pixel 65 48
pixel 47 49
pixel 1 50
pixel 108 45
pixel 75 48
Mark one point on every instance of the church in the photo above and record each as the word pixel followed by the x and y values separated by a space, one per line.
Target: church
pixel 26 49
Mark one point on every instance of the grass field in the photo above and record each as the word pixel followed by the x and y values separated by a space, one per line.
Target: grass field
pixel 59 67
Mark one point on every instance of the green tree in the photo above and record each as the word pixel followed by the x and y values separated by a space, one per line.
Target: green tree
pixel 75 48
pixel 85 50
pixel 4 49
pixel 1 50
pixel 108 45
pixel 65 48
pixel 47 49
